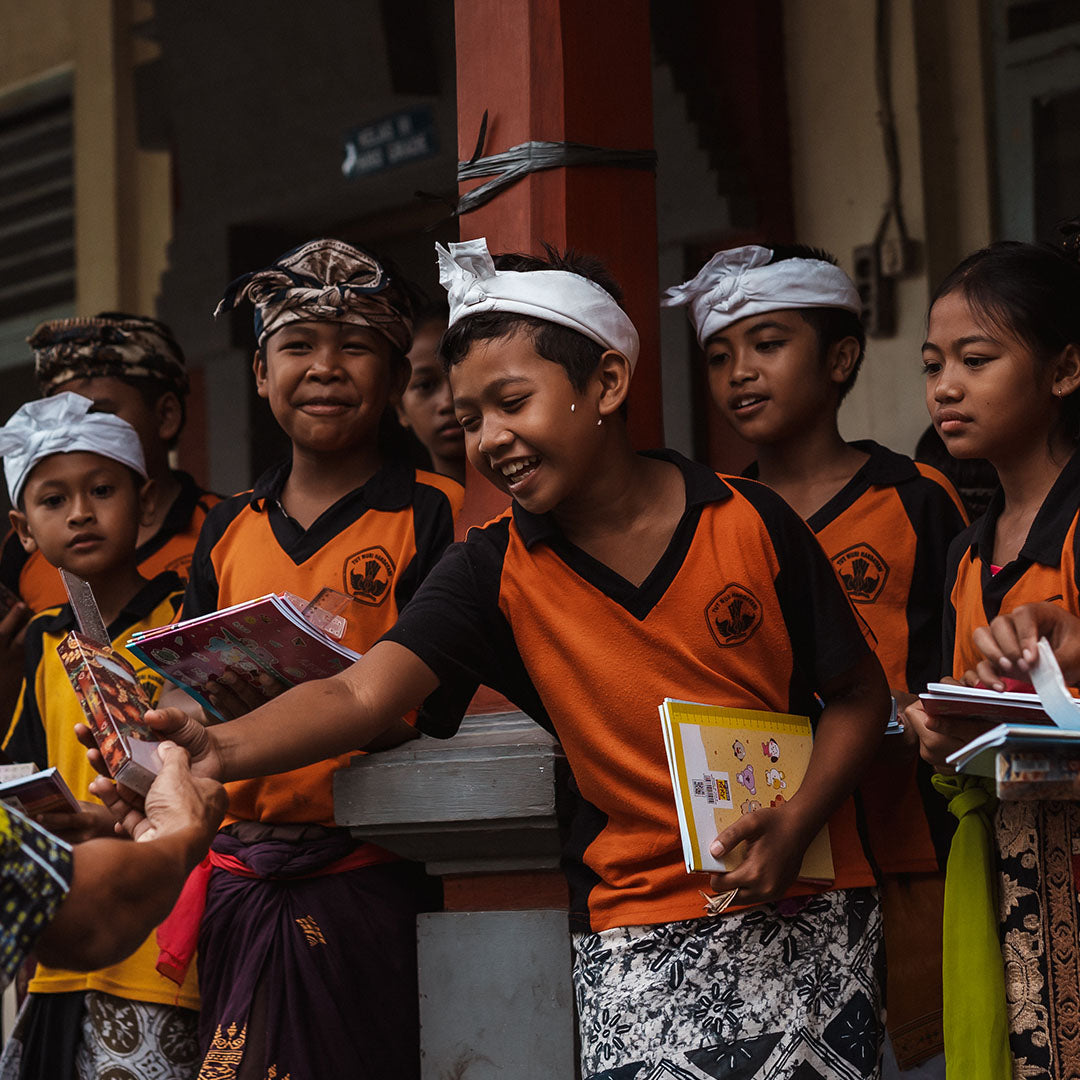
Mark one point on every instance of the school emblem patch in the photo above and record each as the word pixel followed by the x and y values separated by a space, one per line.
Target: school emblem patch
pixel 368 574
pixel 863 572
pixel 733 615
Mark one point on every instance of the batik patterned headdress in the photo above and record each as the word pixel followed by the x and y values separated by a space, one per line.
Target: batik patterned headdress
pixel 109 344
pixel 325 281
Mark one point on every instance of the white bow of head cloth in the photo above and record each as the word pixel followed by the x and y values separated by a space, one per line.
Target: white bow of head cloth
pixel 64 424
pixel 740 282
pixel 473 286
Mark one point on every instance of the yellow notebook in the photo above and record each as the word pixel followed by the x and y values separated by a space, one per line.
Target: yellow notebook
pixel 729 762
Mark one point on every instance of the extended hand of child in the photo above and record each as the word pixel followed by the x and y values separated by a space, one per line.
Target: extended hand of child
pixel 175 725
pixel 91 821
pixel 1010 644
pixel 233 695
pixel 774 842
pixel 939 737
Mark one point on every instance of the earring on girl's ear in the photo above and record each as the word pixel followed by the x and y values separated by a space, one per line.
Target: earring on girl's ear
pixel 573 406
pixel 600 421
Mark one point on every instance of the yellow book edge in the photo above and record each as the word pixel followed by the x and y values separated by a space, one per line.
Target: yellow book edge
pixel 763 764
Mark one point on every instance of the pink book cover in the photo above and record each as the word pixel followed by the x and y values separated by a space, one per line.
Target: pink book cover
pixel 263 636
pixel 114 704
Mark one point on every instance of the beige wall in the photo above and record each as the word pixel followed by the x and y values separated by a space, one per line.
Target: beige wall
pixel 839 173
pixel 34 38
pixel 123 219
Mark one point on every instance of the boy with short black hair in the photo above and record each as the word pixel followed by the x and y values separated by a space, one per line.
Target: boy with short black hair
pixel 333 325
pixel 783 338
pixel 132 366
pixel 78 481
pixel 605 588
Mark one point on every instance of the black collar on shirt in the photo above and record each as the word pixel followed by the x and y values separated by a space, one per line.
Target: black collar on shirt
pixel 703 486
pixel 391 488
pixel 1046 537
pixel 883 468
pixel 134 611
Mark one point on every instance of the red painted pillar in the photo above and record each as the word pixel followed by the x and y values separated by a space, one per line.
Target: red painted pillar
pixel 567 71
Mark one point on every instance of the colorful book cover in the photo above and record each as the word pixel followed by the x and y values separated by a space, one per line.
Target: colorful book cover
pixel 729 762
pixel 263 636
pixel 114 704
pixel 43 792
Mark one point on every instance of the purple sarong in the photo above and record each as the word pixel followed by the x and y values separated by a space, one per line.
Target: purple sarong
pixel 309 977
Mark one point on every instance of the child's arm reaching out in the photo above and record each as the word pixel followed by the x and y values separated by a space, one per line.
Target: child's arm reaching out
pixel 310 722
pixel 848 735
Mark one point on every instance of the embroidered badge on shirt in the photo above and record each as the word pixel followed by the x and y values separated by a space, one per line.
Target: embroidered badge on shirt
pixel 863 572
pixel 368 574
pixel 733 615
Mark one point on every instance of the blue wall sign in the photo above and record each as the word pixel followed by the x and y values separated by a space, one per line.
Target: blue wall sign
pixel 398 139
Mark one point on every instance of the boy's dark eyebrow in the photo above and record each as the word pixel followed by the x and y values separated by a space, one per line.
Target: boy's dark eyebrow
pixel 770 324
pixel 757 328
pixel 493 387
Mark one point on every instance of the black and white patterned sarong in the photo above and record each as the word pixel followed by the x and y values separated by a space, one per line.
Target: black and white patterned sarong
pixel 789 990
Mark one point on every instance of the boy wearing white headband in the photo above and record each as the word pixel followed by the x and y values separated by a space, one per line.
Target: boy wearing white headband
pixel 614 580
pixel 783 339
pixel 78 481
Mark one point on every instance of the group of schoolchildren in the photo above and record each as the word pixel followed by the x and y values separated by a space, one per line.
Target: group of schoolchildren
pixel 832 577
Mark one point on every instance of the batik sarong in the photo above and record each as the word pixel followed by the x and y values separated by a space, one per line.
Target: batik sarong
pixel 785 991
pixel 308 974
pixel 91 1035
pixel 1038 871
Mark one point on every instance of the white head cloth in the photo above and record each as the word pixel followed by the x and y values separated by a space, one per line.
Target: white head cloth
pixel 473 285
pixel 736 283
pixel 63 424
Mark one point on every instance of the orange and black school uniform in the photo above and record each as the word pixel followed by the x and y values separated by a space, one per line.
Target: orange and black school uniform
pixel 169 549
pixel 887 533
pixel 1036 842
pixel 70 1012
pixel 743 609
pixel 315 926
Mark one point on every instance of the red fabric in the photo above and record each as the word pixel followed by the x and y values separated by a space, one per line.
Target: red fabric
pixel 178 934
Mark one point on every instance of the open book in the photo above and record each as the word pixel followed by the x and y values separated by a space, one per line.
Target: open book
pixel 1046 723
pixel 269 635
pixel 729 762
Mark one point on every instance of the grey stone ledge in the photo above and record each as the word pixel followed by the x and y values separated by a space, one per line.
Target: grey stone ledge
pixel 484 800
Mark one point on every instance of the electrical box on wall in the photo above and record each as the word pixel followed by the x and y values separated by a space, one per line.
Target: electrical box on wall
pixel 876 291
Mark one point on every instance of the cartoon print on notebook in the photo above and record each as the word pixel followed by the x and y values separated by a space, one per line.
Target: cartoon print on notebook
pixel 771 750
pixel 738 749
pixel 748 806
pixel 746 778
pixel 774 778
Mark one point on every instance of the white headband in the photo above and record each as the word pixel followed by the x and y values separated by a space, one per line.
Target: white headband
pixel 63 424
pixel 473 285
pixel 740 282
